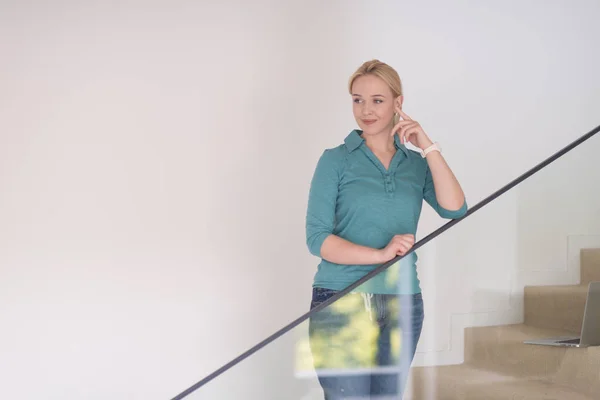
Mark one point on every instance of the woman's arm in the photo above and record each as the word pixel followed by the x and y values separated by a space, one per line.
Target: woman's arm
pixel 341 251
pixel 442 190
pixel 320 217
pixel 448 192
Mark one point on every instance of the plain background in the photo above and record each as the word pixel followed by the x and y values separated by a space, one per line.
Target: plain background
pixel 155 160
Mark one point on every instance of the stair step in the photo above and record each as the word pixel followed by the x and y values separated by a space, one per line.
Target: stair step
pixel 580 370
pixel 466 382
pixel 590 266
pixel 555 307
pixel 498 365
pixel 525 390
pixel 501 349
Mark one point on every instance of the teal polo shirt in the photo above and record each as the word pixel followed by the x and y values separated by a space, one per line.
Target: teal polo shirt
pixel 354 197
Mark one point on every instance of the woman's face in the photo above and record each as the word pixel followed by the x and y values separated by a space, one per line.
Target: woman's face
pixel 373 104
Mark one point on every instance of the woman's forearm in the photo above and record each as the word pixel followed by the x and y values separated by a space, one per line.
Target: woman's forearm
pixel 448 192
pixel 341 251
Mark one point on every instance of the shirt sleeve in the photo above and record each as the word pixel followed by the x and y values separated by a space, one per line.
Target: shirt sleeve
pixel 322 198
pixel 431 199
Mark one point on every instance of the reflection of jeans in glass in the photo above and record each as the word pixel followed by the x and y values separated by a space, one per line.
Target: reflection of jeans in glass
pixel 363 345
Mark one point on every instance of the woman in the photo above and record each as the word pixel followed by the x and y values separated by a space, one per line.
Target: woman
pixel 364 204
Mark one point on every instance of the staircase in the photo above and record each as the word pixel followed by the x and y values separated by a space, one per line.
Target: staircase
pixel 499 366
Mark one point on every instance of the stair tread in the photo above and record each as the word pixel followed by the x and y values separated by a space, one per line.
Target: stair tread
pixel 560 289
pixel 468 382
pixel 460 373
pixel 520 332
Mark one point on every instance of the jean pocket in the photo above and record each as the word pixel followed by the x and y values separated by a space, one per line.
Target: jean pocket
pixel 321 295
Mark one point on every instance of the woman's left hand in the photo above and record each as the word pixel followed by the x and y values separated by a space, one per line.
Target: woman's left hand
pixel 411 131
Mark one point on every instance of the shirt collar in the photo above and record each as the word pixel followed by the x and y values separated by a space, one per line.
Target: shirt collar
pixel 354 140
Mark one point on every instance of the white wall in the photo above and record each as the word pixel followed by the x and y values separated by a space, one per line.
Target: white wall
pixel 559 214
pixel 155 159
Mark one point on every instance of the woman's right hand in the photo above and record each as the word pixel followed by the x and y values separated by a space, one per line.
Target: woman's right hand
pixel 398 246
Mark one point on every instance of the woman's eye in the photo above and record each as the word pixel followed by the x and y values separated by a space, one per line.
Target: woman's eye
pixel 357 100
pixel 378 101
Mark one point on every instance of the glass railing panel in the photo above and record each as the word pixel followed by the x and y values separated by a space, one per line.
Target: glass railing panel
pixel 517 270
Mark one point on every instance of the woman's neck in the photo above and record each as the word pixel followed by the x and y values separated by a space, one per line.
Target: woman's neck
pixel 381 143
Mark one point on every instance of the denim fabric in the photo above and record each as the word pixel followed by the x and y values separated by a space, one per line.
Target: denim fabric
pixel 352 343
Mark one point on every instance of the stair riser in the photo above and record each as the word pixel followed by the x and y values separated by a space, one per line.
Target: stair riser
pixel 590 266
pixel 560 309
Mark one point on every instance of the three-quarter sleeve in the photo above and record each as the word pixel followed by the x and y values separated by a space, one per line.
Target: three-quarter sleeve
pixel 320 216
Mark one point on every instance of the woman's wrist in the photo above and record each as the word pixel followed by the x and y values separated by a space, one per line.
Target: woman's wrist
pixel 425 143
pixel 378 256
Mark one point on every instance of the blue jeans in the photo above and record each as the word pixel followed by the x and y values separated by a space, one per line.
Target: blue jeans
pixel 363 346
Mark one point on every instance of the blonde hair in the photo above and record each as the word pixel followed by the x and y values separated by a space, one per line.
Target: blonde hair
pixel 384 72
pixel 380 70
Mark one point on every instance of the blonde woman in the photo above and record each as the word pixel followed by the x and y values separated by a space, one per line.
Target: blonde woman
pixel 364 204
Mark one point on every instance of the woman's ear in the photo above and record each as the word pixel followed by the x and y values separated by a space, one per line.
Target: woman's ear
pixel 399 100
